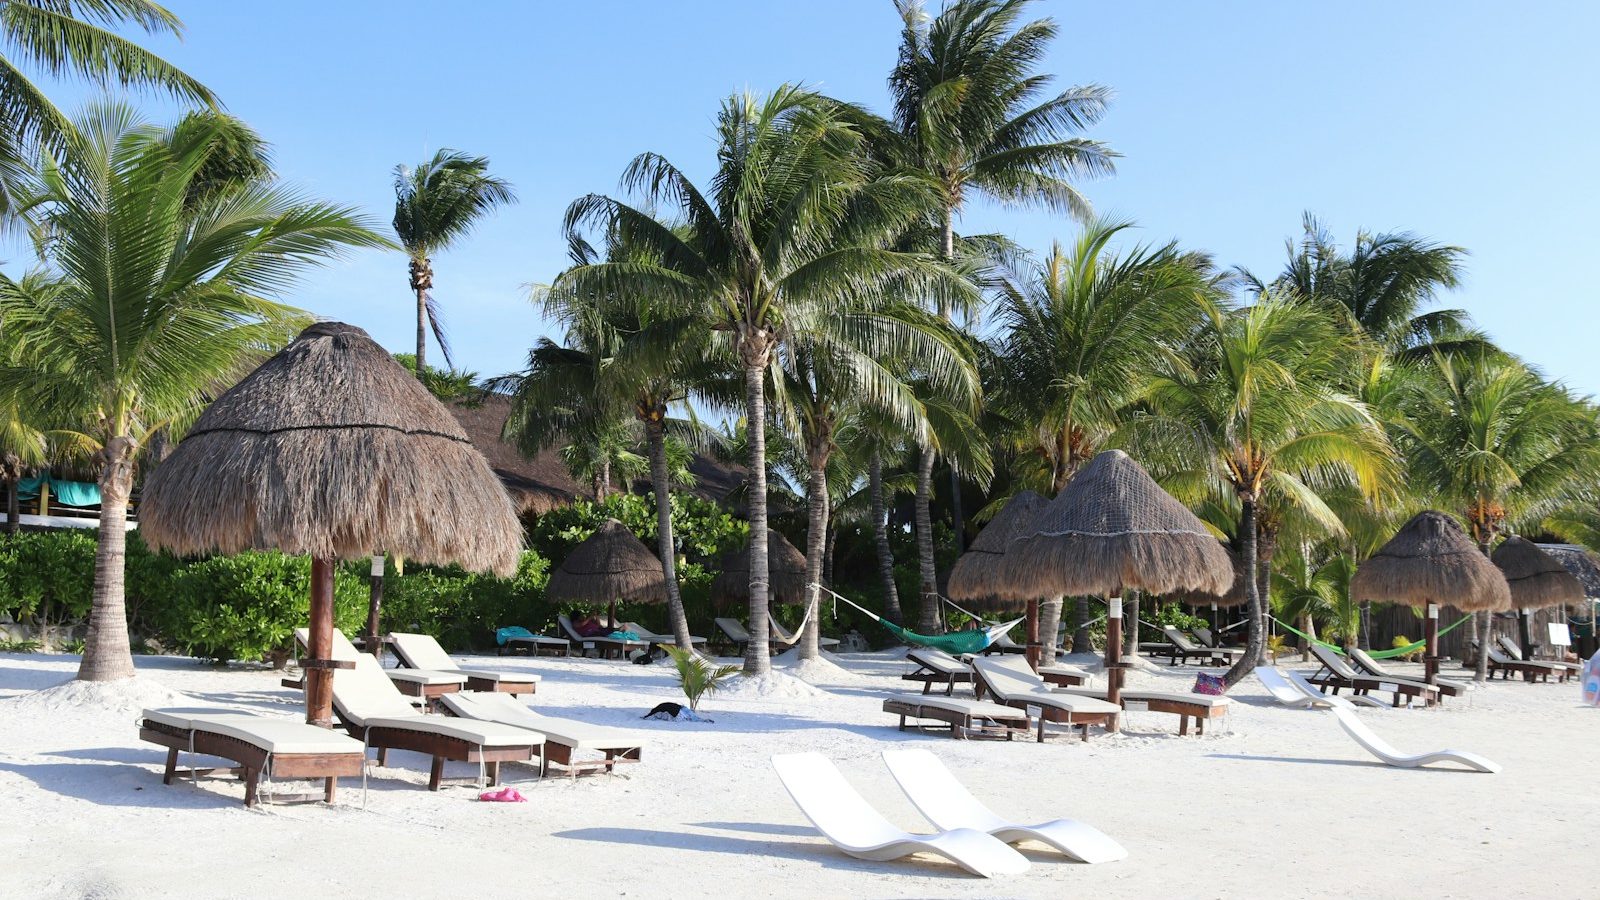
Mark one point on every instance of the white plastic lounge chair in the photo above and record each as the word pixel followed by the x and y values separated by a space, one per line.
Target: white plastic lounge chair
pixel 1287 694
pixel 428 684
pixel 564 739
pixel 1336 673
pixel 1377 746
pixel 854 826
pixel 965 717
pixel 422 651
pixel 1321 700
pixel 937 667
pixel 372 709
pixel 947 803
pixel 665 640
pixel 604 645
pixel 1447 687
pixel 1012 683
pixel 273 746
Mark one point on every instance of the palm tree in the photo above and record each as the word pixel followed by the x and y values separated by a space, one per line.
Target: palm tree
pixel 150 301
pixel 971 113
pixel 1076 342
pixel 1498 444
pixel 563 397
pixel 1257 408
pixel 1384 284
pixel 62 38
pixel 436 204
pixel 861 367
pixel 792 233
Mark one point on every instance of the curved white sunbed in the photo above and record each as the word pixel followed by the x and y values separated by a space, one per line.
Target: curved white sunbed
pixel 1285 693
pixel 1380 748
pixel 854 826
pixel 947 803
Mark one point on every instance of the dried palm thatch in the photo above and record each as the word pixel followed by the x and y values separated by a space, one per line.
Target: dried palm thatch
pixel 1234 596
pixel 331 449
pixel 1581 562
pixel 1537 579
pixel 609 565
pixel 979 574
pixel 1431 560
pixel 786 571
pixel 1113 529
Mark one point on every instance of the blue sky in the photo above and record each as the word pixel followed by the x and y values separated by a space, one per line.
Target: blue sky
pixel 1469 122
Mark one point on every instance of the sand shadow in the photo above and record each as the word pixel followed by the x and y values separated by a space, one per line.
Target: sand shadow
pixel 758 828
pixel 818 852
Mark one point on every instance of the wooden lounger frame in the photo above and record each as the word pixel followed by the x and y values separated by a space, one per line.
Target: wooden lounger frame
pixel 561 755
pixel 1361 687
pixel 1064 679
pixel 534 648
pixel 961 725
pixel 929 677
pixel 252 761
pixel 492 686
pixel 1199 712
pixel 443 747
pixel 1530 671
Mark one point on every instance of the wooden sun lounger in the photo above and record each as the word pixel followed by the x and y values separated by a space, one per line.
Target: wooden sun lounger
pixel 609 647
pixel 422 651
pixel 567 743
pixel 937 667
pixel 1199 708
pixel 1181 649
pixel 426 684
pixel 537 645
pixel 274 746
pixel 966 718
pixel 734 633
pixel 1514 650
pixel 1336 674
pixel 1064 676
pixel 1370 666
pixel 661 640
pixel 1010 681
pixel 1530 670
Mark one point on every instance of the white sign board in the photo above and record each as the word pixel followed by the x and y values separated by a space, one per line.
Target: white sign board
pixel 1136 706
pixel 1560 635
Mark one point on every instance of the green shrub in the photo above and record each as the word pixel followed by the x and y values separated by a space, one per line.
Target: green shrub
pixel 703 530
pixel 247 606
pixel 47 577
pixel 462 609
pixel 697 675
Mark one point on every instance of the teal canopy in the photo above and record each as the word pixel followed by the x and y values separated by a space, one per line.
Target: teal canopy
pixel 63 493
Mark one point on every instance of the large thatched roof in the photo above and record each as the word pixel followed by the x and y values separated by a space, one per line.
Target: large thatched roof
pixel 331 449
pixel 1431 560
pixel 1114 529
pixel 609 565
pixel 1234 595
pixel 786 571
pixel 1581 562
pixel 1536 578
pixel 979 574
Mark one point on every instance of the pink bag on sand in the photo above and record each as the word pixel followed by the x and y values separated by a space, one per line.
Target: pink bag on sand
pixel 504 795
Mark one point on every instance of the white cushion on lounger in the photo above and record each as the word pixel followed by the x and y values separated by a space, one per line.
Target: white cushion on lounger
pixel 1207 700
pixel 185 717
pixel 566 732
pixel 1014 682
pixel 424 652
pixel 502 677
pixel 425 676
pixel 938 661
pixel 976 708
pixel 484 734
pixel 274 734
pixel 364 693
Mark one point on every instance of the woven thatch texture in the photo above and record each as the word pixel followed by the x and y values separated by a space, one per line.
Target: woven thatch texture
pixel 786 570
pixel 1581 562
pixel 1536 578
pixel 331 449
pixel 1235 595
pixel 1431 560
pixel 1112 530
pixel 979 575
pixel 609 565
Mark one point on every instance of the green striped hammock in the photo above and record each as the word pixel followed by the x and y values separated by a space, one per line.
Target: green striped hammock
pixel 1410 648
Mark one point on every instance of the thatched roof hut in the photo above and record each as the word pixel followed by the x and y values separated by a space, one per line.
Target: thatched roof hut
pixel 1114 529
pixel 1581 562
pixel 608 566
pixel 786 571
pixel 333 450
pixel 1431 560
pixel 1234 595
pixel 1537 580
pixel 979 574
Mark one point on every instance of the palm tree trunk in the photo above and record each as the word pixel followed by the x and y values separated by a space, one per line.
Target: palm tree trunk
pixel 816 540
pixel 107 655
pixel 757 660
pixel 1130 631
pixel 928 616
pixel 1049 624
pixel 666 546
pixel 1486 618
pixel 1309 626
pixel 1252 647
pixel 880 537
pixel 422 331
pixel 13 505
pixel 957 520
pixel 1082 641
pixel 827 551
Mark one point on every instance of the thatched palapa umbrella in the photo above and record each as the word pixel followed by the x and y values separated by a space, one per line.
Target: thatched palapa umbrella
pixel 786 573
pixel 1113 529
pixel 1537 580
pixel 608 566
pixel 1233 597
pixel 331 449
pixel 1431 562
pixel 979 576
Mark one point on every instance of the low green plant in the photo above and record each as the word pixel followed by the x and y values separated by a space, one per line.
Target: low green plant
pixel 1401 640
pixel 1277 645
pixel 74 647
pixel 697 675
pixel 20 646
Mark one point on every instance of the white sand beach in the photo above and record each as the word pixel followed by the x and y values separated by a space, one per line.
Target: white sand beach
pixel 1278 803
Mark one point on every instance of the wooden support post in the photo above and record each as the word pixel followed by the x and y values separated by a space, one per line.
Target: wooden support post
pixel 319 680
pixel 1114 650
pixel 1430 659
pixel 375 607
pixel 1035 650
pixel 1525 625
